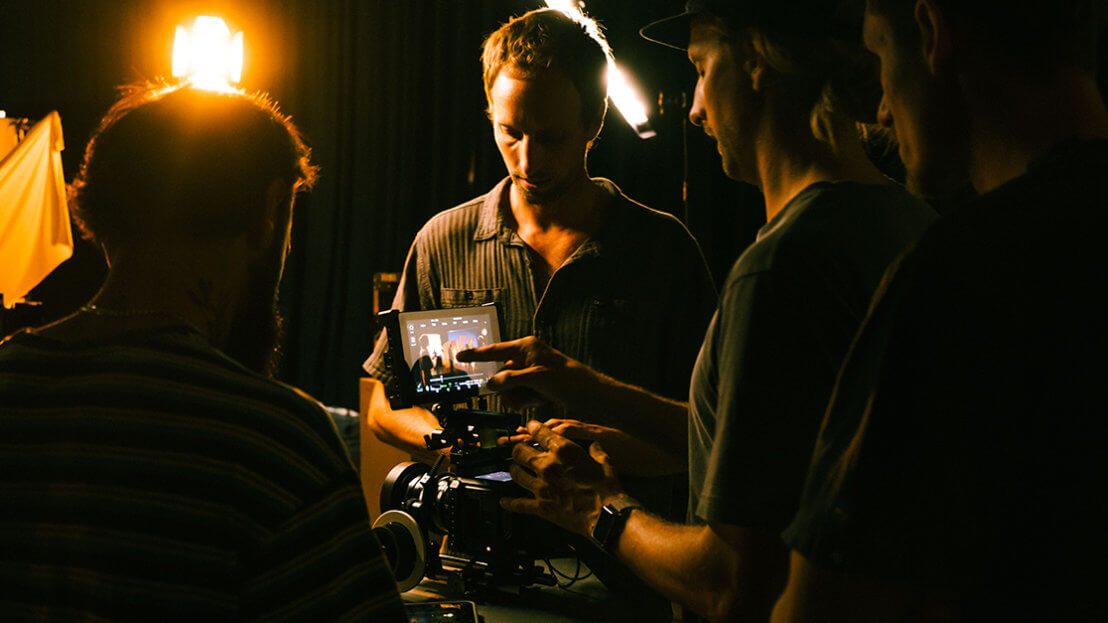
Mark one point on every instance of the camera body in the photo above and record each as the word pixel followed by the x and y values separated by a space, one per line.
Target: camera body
pixel 427 507
pixel 484 543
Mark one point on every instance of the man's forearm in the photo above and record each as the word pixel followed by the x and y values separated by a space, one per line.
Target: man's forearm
pixel 695 566
pixel 403 428
pixel 659 420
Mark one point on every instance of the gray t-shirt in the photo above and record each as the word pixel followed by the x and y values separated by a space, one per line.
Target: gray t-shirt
pixel 787 314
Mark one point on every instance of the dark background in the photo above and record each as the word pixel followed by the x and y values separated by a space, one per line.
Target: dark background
pixel 389 95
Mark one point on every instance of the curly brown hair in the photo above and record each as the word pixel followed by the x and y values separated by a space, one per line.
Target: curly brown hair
pixel 174 160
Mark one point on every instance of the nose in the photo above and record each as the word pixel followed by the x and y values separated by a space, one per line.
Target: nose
pixel 884 115
pixel 696 112
pixel 530 155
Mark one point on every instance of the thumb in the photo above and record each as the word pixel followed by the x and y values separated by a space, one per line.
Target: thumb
pixel 598 454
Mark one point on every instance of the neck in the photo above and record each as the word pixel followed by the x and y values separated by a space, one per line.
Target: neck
pixel 577 209
pixel 1015 120
pixel 201 286
pixel 788 162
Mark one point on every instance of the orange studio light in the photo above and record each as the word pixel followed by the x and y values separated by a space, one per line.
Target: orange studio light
pixel 207 55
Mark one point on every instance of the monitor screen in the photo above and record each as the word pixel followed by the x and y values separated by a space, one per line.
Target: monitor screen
pixel 433 338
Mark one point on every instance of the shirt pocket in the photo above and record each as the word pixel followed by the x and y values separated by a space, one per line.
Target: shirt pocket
pixel 621 338
pixel 604 314
pixel 608 325
pixel 468 297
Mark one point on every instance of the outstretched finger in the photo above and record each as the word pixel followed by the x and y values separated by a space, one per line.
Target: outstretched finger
pixel 520 398
pixel 511 378
pixel 575 430
pixel 543 435
pixel 512 440
pixel 501 351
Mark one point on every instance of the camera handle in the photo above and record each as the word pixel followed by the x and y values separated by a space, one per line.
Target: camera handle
pixel 467 429
pixel 471 434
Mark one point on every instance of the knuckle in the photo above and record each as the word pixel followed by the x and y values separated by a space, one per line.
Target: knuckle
pixel 541 468
pixel 566 451
pixel 518 452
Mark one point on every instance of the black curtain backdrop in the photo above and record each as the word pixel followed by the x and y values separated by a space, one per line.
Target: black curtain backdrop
pixel 389 95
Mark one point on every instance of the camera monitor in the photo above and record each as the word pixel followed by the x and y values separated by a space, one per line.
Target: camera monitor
pixel 422 349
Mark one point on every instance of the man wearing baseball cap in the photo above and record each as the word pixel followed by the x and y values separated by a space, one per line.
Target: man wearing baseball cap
pixel 781 92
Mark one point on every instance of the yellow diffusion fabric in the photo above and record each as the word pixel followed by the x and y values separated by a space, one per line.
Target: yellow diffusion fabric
pixel 34 221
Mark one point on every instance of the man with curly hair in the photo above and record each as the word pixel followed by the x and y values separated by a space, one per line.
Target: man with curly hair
pixel 150 466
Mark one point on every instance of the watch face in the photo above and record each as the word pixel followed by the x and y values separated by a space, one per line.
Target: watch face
pixel 603 528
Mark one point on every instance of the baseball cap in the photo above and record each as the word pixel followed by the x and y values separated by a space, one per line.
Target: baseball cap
pixel 795 17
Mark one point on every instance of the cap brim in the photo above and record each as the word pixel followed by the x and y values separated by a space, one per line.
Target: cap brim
pixel 671 32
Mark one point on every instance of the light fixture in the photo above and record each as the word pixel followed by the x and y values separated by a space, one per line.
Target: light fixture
pixel 623 93
pixel 208 56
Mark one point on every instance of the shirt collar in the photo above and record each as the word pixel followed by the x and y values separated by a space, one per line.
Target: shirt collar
pixel 490 221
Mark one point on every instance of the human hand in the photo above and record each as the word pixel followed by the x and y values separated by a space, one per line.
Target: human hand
pixel 628 454
pixel 534 372
pixel 570 484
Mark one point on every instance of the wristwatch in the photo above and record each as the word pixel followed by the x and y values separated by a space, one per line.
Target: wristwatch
pixel 613 517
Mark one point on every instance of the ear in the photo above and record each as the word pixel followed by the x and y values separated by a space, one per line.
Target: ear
pixel 936 36
pixel 756 69
pixel 275 216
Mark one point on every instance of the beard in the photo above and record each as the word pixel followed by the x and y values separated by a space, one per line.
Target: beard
pixel 545 196
pixel 256 331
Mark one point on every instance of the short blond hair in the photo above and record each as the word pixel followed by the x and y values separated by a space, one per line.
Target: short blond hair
pixel 549 40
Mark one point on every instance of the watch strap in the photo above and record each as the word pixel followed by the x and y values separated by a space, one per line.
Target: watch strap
pixel 613 518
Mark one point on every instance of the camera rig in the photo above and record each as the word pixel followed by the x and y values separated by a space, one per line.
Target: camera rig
pixel 426 508
pixel 449 525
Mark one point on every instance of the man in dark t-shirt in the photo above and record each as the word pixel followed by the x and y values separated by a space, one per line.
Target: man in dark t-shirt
pixel 788 311
pixel 959 470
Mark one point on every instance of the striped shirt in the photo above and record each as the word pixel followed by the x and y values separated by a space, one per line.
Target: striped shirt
pixel 153 478
pixel 633 301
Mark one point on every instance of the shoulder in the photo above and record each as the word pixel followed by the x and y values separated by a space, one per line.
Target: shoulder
pixel 176 379
pixel 273 407
pixel 637 224
pixel 830 223
pixel 457 224
pixel 827 209
pixel 196 377
pixel 462 221
pixel 461 216
pixel 280 431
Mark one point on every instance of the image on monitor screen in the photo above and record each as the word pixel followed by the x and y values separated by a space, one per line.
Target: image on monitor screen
pixel 434 338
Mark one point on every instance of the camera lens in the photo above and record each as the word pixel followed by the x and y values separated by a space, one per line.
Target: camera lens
pixel 405 547
pixel 399 548
pixel 399 484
